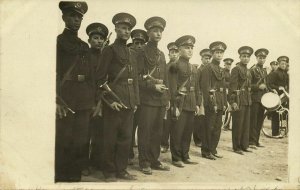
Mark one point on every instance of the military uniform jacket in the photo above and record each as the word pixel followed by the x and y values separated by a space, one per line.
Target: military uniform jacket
pixel 148 59
pixel 114 58
pixel 179 72
pixel 94 57
pixel 78 94
pixel 212 78
pixel 258 76
pixel 278 78
pixel 227 77
pixel 240 79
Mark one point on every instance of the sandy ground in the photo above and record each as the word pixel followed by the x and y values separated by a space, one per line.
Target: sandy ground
pixel 268 164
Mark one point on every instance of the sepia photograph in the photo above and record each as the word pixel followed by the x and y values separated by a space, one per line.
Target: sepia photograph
pixel 150 94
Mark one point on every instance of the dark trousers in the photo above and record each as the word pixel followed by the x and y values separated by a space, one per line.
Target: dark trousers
pixel 95 151
pixel 117 132
pixel 135 125
pixel 256 122
pixel 70 144
pixel 212 131
pixel 199 123
pixel 240 128
pixel 181 135
pixel 167 124
pixel 149 135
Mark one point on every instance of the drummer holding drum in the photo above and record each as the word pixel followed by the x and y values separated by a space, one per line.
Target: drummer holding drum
pixel 279 80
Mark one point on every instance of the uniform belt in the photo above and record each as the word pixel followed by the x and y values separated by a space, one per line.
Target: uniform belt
pixel 190 89
pixel 129 81
pixel 78 78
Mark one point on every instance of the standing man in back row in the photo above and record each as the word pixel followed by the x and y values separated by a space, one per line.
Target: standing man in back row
pixel 215 100
pixel 118 79
pixel 154 96
pixel 168 121
pixel 226 70
pixel 139 39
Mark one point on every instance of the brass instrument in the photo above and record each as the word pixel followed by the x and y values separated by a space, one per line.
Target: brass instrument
pixel 108 90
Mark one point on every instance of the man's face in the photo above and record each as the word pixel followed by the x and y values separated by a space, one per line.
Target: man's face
pixel 96 41
pixel 282 65
pixel 138 44
pixel 72 20
pixel 227 66
pixel 218 55
pixel 261 60
pixel 173 54
pixel 123 31
pixel 205 59
pixel 154 34
pixel 245 58
pixel 274 67
pixel 186 51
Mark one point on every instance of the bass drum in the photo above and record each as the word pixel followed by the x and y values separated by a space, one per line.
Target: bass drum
pixel 271 101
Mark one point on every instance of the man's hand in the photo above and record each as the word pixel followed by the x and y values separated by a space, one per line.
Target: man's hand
pixel 61 111
pixel 262 86
pixel 134 109
pixel 160 88
pixel 235 107
pixel 197 110
pixel 116 106
pixel 216 109
pixel 168 106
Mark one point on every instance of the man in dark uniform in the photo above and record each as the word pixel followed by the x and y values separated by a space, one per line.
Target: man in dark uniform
pixel 97 33
pixel 274 65
pixel 215 101
pixel 75 92
pixel 119 73
pixel 240 101
pixel 279 79
pixel 258 88
pixel 139 38
pixel 154 96
pixel 199 121
pixel 226 70
pixel 168 121
pixel 185 97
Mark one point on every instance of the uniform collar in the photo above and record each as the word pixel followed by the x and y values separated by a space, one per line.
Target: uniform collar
pixel 215 62
pixel 120 42
pixel 152 44
pixel 181 59
pixel 259 65
pixel 70 32
pixel 94 50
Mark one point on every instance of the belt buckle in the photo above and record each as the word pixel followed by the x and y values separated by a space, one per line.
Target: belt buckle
pixel 130 81
pixel 192 88
pixel 243 89
pixel 221 89
pixel 249 89
pixel 81 78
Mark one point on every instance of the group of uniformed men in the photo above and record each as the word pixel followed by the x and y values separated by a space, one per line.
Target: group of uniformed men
pixel 105 91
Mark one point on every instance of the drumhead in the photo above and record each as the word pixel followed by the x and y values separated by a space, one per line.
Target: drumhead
pixel 270 100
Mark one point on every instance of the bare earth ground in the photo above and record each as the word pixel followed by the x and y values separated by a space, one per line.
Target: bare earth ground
pixel 268 164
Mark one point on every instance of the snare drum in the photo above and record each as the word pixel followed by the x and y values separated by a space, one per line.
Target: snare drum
pixel 271 101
